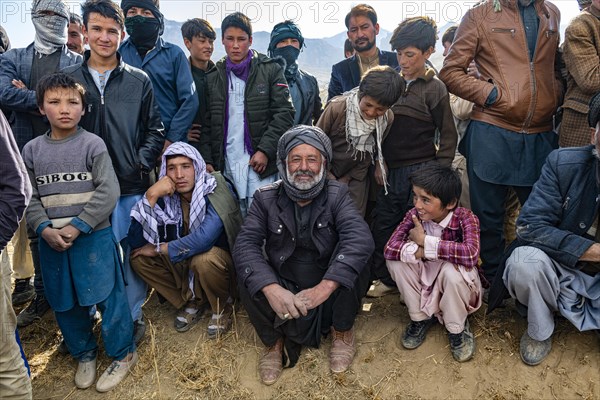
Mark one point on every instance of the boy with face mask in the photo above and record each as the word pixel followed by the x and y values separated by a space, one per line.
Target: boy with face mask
pixel 164 63
pixel 286 43
pixel 20 71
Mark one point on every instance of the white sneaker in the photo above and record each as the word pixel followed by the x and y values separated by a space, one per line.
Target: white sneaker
pixel 380 289
pixel 115 373
pixel 86 374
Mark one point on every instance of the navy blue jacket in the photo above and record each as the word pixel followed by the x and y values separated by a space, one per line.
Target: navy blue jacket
pixel 559 211
pixel 169 71
pixel 345 75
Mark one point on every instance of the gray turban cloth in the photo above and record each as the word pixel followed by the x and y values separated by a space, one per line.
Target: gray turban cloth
pixel 295 136
pixel 50 30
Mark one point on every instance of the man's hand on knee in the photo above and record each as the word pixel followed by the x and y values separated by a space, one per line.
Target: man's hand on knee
pixel 283 302
pixel 315 296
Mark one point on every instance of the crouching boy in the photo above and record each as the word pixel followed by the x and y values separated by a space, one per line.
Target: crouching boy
pixel 75 190
pixel 432 256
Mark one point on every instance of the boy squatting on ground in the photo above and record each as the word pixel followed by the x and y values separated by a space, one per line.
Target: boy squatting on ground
pixel 75 190
pixel 432 255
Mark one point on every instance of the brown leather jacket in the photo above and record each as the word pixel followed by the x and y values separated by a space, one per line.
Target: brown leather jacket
pixel 528 92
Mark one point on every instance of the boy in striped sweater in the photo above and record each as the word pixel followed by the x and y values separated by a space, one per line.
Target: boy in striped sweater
pixel 75 190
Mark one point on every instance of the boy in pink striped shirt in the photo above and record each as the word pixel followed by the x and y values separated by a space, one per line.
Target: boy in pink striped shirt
pixel 432 256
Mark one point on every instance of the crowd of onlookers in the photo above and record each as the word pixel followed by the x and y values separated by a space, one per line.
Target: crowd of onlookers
pixel 226 184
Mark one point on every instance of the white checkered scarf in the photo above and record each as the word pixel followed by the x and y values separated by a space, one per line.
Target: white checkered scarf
pixel 359 132
pixel 151 218
pixel 50 30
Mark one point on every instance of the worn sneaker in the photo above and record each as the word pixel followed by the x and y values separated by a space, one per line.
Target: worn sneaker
pixel 380 289
pixel 534 351
pixel 116 372
pixel 23 292
pixel 462 345
pixel 139 330
pixel 62 347
pixel 86 374
pixel 415 332
pixel 34 311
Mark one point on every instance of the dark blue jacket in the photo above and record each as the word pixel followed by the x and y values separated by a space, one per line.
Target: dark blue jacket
pixel 559 211
pixel 345 75
pixel 169 71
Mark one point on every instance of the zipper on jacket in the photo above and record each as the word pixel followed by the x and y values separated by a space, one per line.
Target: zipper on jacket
pixel 566 203
pixel 533 94
pixel 512 31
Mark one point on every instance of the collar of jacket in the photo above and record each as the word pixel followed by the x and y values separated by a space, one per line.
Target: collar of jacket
pixel 539 5
pixel 210 65
pixel 594 11
pixel 285 203
pixel 118 68
pixel 427 75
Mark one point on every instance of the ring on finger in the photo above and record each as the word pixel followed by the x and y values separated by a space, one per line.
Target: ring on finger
pixel 286 316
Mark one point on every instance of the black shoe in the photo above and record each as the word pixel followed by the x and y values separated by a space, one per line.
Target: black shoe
pixel 139 330
pixel 415 332
pixel 462 345
pixel 62 347
pixel 533 351
pixel 23 292
pixel 34 311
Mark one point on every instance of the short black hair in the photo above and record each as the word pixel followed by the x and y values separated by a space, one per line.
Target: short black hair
pixel 383 84
pixel 55 81
pixel 448 36
pixel 438 181
pixel 236 20
pixel 106 8
pixel 364 10
pixel 197 27
pixel 419 32
pixel 75 19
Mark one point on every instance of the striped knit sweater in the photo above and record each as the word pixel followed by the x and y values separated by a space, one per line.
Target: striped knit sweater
pixel 73 182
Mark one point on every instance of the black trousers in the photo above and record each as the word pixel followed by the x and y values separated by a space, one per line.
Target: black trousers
pixel 339 311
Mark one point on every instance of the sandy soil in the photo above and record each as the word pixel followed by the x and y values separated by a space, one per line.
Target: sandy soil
pixel 190 366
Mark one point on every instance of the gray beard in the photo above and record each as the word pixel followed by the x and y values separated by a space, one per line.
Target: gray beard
pixel 307 184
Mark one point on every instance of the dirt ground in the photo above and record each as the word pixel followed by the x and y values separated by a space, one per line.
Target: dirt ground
pixel 190 366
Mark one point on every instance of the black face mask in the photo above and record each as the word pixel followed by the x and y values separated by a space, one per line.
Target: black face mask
pixel 143 32
pixel 288 53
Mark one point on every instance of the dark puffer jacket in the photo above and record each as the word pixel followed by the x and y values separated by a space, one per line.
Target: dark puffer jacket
pixel 267 106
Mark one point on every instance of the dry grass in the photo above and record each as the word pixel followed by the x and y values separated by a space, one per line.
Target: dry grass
pixel 190 366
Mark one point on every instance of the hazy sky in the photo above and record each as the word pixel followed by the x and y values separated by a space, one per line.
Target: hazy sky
pixel 316 18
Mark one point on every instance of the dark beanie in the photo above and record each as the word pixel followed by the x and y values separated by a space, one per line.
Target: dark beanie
pixel 152 5
pixel 285 30
pixel 594 113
